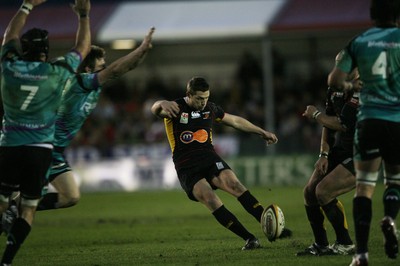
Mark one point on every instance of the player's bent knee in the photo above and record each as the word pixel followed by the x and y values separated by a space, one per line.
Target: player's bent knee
pixel 323 198
pixel 69 202
pixel 309 196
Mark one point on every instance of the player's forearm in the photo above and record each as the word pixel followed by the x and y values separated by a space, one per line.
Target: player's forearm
pixel 83 34
pixel 324 146
pixel 331 122
pixel 339 80
pixel 16 24
pixel 126 63
pixel 245 125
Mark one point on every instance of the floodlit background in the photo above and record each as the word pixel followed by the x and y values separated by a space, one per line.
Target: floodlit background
pixel 265 61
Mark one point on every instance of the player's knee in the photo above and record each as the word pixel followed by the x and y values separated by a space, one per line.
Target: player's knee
pixel 309 196
pixel 237 187
pixel 323 197
pixel 69 201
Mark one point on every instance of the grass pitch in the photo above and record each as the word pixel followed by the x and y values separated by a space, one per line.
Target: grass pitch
pixel 165 228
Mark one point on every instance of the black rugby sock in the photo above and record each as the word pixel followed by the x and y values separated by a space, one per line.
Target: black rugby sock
pixel 251 205
pixel 391 201
pixel 48 202
pixel 362 213
pixel 334 211
pixel 18 233
pixel 316 219
pixel 228 220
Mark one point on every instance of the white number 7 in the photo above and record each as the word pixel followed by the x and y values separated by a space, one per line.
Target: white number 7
pixel 380 65
pixel 32 92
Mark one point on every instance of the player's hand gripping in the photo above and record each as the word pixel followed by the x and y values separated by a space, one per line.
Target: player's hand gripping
pixel 171 108
pixel 321 166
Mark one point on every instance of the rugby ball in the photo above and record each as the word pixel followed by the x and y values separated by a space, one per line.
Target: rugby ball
pixel 272 222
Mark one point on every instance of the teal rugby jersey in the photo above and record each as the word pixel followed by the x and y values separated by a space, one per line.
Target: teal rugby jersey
pixel 78 102
pixel 31 94
pixel 376 53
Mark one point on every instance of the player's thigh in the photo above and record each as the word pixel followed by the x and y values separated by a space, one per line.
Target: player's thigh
pixel 367 140
pixel 339 181
pixel 66 184
pixel 228 181
pixel 36 167
pixel 11 170
pixel 24 169
pixel 391 146
pixel 204 193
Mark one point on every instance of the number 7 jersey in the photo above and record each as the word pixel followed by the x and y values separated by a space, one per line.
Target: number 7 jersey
pixel 31 94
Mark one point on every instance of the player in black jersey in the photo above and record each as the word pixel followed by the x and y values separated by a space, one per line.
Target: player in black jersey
pixel 334 173
pixel 188 123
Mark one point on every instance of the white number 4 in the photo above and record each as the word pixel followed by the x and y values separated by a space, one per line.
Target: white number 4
pixel 32 92
pixel 380 65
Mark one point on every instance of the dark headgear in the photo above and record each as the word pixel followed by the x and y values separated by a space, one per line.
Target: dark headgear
pixel 385 10
pixel 34 42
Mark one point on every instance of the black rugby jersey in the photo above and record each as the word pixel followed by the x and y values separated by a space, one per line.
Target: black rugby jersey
pixel 190 133
pixel 344 106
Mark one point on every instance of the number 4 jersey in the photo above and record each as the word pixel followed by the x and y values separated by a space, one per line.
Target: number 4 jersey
pixel 376 54
pixel 31 94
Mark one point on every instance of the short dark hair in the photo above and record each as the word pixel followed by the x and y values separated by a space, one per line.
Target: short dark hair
pixel 96 52
pixel 34 43
pixel 385 10
pixel 197 84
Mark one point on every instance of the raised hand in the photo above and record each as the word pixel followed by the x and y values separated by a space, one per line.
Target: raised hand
pixel 81 7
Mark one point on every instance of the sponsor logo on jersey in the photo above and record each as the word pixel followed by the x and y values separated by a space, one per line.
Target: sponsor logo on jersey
pixel 206 115
pixel 200 136
pixel 195 114
pixel 87 108
pixel 30 76
pixel 184 118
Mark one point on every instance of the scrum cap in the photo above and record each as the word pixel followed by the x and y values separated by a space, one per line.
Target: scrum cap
pixel 34 42
pixel 385 10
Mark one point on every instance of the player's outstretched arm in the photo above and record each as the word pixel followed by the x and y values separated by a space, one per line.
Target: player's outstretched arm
pixel 83 35
pixel 16 24
pixel 128 62
pixel 245 125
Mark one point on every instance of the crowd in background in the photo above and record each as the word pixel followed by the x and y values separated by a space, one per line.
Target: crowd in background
pixel 123 116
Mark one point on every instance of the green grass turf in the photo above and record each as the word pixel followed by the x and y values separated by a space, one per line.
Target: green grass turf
pixel 165 228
